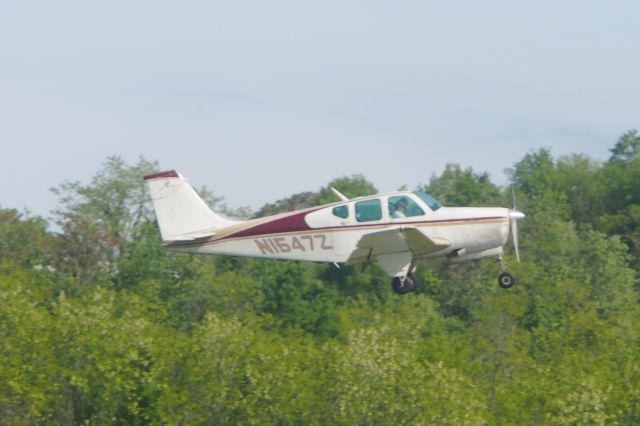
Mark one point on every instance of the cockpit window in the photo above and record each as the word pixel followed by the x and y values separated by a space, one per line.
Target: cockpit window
pixel 368 210
pixel 402 206
pixel 428 199
pixel 341 211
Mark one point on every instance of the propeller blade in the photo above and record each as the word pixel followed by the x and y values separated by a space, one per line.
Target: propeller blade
pixel 514 233
pixel 514 217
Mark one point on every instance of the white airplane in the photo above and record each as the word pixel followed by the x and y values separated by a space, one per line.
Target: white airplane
pixel 396 229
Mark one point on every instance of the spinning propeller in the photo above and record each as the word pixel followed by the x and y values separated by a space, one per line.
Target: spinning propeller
pixel 514 217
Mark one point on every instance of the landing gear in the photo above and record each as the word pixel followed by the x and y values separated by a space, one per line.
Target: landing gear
pixel 403 285
pixel 505 279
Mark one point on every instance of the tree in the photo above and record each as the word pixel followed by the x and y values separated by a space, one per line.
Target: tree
pixel 102 355
pixel 28 366
pixel 71 361
pixel 233 372
pixel 627 148
pixel 578 179
pixel 99 220
pixel 298 201
pixel 457 187
pixel 620 199
pixel 351 186
pixel 24 240
pixel 381 380
pixel 295 296
pixel 99 324
pixel 108 228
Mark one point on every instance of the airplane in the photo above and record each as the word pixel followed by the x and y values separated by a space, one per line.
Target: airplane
pixel 395 228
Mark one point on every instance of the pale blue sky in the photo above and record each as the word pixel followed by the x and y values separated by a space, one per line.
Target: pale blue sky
pixel 260 100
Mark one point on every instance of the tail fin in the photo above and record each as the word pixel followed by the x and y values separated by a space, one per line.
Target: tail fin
pixel 181 213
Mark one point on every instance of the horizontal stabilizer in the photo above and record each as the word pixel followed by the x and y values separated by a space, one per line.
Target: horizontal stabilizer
pixel 194 237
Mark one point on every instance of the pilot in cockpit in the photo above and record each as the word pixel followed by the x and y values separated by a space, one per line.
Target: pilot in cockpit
pixel 399 208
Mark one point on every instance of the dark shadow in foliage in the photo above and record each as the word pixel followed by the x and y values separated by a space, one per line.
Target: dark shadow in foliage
pixel 370 283
pixel 296 297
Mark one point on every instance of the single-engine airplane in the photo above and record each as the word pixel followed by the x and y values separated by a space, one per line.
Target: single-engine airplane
pixel 395 228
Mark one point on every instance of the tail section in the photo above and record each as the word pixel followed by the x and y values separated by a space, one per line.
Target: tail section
pixel 181 213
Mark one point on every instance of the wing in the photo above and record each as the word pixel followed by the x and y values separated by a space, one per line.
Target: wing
pixel 395 248
pixel 420 244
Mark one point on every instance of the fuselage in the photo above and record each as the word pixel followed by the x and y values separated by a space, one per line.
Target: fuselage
pixel 393 229
pixel 330 233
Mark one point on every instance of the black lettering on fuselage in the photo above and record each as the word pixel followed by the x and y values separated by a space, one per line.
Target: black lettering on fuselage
pixel 264 246
pixel 288 244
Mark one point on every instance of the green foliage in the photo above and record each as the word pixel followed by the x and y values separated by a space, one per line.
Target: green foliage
pixel 24 240
pixel 381 380
pixel 296 297
pixel 627 148
pixel 78 361
pixel 100 220
pixel 100 325
pixel 577 178
pixel 537 177
pixel 231 372
pixel 28 365
pixel 351 186
pixel 619 211
pixel 295 202
pixel 457 187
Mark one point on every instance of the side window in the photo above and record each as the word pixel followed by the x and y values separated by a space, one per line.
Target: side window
pixel 369 210
pixel 341 211
pixel 402 206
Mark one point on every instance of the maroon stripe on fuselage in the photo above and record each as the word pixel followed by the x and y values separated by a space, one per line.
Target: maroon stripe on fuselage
pixel 293 223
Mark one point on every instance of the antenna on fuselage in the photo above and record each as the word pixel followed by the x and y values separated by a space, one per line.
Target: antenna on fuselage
pixel 339 194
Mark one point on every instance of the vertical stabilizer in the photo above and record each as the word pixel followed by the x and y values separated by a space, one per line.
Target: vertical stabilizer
pixel 180 211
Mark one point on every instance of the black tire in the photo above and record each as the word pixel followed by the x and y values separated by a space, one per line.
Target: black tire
pixel 506 280
pixel 405 286
pixel 397 285
pixel 411 283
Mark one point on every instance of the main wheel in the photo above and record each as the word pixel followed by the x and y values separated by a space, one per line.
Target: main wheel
pixel 410 282
pixel 403 286
pixel 397 285
pixel 506 280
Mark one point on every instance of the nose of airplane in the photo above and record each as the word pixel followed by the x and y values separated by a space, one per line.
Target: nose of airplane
pixel 515 214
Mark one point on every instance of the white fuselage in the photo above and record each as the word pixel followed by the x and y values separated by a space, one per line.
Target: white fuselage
pixel 393 229
pixel 319 235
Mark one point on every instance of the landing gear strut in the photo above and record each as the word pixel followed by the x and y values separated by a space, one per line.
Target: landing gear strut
pixel 505 279
pixel 403 285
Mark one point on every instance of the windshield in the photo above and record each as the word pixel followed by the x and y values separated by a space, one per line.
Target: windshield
pixel 428 199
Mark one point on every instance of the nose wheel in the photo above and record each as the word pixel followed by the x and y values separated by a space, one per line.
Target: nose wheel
pixel 505 279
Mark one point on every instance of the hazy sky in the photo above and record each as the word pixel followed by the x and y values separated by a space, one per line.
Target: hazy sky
pixel 258 100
